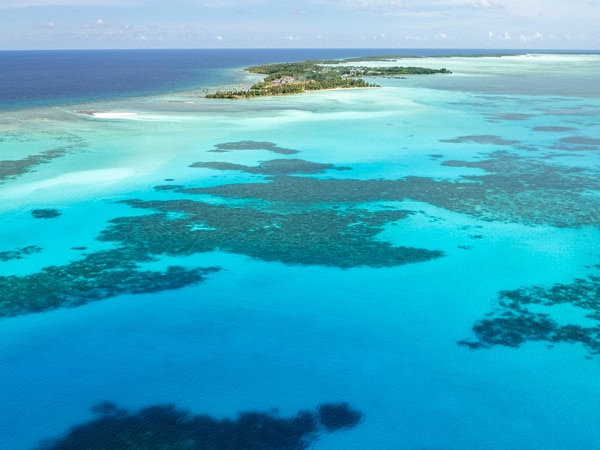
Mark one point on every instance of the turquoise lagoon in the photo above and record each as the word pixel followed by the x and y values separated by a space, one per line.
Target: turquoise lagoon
pixel 446 282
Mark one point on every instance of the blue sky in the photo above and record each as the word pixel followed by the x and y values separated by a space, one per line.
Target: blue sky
pixel 55 24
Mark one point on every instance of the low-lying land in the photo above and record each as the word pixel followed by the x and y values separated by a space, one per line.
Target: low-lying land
pixel 297 77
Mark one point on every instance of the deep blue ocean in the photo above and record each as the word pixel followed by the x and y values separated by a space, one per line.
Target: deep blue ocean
pixel 413 266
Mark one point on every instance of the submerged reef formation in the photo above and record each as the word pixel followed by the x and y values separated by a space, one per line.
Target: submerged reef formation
pixel 13 168
pixel 166 427
pixel 340 238
pixel 509 116
pixel 553 129
pixel 97 276
pixel 48 213
pixel 298 213
pixel 480 139
pixel 578 143
pixel 19 253
pixel 252 145
pixel 273 167
pixel 527 190
pixel 336 416
pixel 342 235
pixel 525 315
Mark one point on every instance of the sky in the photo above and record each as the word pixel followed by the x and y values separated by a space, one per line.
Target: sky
pixel 85 24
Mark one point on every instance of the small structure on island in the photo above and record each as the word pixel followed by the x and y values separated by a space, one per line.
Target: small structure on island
pixel 284 80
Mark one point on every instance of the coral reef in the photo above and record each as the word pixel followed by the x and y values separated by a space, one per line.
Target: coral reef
pixel 480 139
pixel 252 145
pixel 9 169
pixel 553 129
pixel 97 276
pixel 578 143
pixel 273 167
pixel 514 188
pixel 510 116
pixel 513 322
pixel 166 427
pixel 344 238
pixel 19 253
pixel 294 218
pixel 13 168
pixel 336 416
pixel 48 213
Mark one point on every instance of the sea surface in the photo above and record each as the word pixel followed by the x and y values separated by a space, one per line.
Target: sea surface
pixel 425 254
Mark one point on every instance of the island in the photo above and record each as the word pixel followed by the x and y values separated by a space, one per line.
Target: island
pixel 317 75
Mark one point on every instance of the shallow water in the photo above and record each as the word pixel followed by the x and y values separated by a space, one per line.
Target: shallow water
pixel 317 298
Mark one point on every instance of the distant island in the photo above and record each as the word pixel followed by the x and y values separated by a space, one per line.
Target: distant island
pixel 298 77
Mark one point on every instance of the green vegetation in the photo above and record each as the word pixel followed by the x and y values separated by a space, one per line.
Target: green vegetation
pixel 298 77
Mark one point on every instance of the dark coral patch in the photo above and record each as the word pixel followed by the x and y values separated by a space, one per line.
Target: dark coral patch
pixel 98 276
pixel 578 143
pixel 516 174
pixel 19 253
pixel 13 168
pixel 66 143
pixel 553 129
pixel 252 145
pixel 513 322
pixel 345 238
pixel 166 427
pixel 577 112
pixel 108 408
pixel 48 213
pixel 511 116
pixel 273 167
pixel 310 190
pixel 336 416
pixel 480 139
pixel 515 188
pixel 168 187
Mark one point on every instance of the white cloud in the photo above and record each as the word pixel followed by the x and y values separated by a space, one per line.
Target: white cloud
pixel 226 3
pixel 472 3
pixel 370 5
pixel 552 8
pixel 13 4
pixel 51 25
pixel 219 38
pixel 515 8
pixel 527 8
pixel 218 4
pixel 99 22
pixel 531 37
